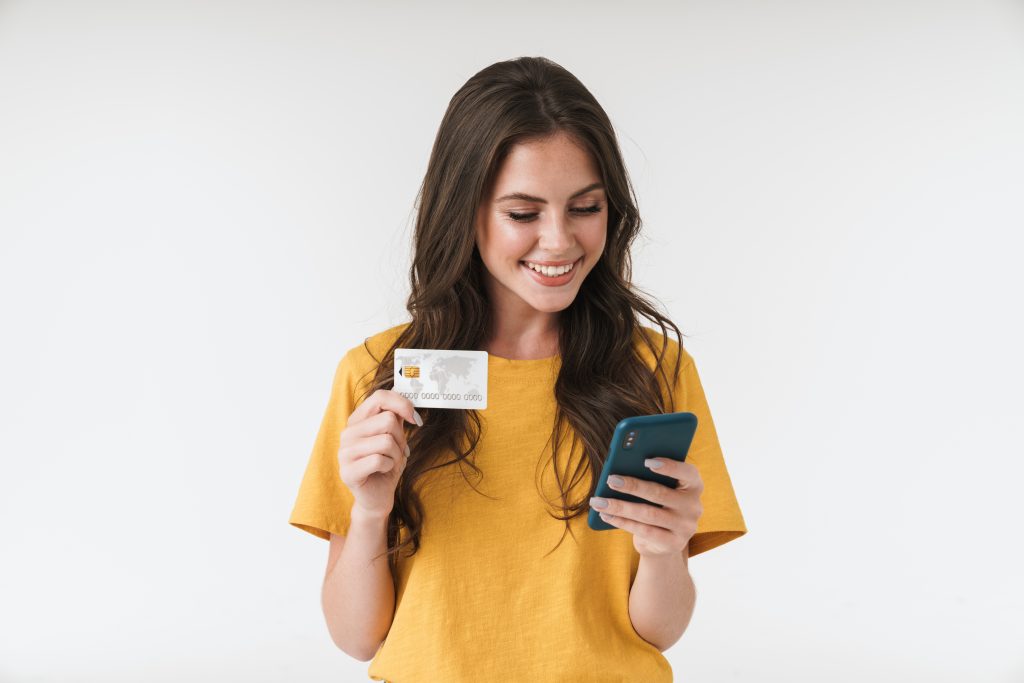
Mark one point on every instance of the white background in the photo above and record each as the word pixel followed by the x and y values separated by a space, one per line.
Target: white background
pixel 203 204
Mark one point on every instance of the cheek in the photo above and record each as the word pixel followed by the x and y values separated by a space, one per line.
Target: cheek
pixel 501 246
pixel 597 237
pixel 507 242
pixel 488 242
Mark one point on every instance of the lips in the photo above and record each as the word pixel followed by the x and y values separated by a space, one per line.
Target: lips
pixel 553 281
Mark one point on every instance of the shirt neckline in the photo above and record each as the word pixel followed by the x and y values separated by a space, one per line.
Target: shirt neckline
pixel 522 368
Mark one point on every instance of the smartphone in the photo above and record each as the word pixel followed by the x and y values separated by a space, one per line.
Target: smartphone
pixel 635 439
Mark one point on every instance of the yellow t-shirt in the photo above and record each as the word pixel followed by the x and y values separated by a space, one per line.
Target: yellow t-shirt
pixel 479 601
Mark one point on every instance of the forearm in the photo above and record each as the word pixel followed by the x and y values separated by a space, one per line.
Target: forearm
pixel 358 595
pixel 662 598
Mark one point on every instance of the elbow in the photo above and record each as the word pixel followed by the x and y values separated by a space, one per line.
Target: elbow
pixel 358 651
pixel 368 654
pixel 658 644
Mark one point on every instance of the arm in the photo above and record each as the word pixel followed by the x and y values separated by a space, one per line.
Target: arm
pixel 662 598
pixel 358 596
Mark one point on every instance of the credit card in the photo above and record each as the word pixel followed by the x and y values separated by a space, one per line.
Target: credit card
pixel 442 378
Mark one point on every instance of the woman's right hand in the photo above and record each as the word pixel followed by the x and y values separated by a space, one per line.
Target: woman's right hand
pixel 373 451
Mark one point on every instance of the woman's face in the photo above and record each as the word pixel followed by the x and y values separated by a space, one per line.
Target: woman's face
pixel 546 207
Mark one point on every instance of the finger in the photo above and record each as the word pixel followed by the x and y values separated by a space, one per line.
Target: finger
pixel 655 534
pixel 384 422
pixel 653 491
pixel 684 472
pixel 376 444
pixel 639 512
pixel 356 472
pixel 385 399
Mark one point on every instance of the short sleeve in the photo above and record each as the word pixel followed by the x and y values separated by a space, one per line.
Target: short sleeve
pixel 324 503
pixel 721 520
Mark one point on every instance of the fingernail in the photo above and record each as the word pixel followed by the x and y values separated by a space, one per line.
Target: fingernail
pixel 653 464
pixel 407 450
pixel 598 502
pixel 616 480
pixel 419 420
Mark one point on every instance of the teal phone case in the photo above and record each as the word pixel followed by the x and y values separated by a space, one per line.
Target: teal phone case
pixel 634 440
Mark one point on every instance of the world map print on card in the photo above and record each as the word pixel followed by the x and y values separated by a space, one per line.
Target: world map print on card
pixel 442 378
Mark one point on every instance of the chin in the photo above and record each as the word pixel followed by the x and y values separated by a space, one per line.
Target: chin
pixel 551 304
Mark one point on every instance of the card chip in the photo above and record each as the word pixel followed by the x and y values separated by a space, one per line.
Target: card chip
pixel 410 371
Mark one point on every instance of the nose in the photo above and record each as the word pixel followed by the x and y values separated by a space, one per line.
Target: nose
pixel 556 236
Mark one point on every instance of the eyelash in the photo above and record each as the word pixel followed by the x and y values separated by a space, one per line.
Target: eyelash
pixel 527 217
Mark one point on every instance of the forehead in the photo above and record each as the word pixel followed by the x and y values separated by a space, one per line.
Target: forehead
pixel 552 168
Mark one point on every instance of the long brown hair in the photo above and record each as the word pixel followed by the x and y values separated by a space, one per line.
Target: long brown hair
pixel 602 378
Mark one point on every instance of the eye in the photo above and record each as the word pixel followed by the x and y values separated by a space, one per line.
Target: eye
pixel 582 211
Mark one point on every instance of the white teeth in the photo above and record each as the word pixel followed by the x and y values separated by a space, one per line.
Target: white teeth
pixel 550 271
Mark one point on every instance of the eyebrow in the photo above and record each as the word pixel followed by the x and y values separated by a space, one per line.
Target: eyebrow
pixel 530 198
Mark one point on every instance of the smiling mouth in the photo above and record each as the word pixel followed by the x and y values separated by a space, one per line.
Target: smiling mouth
pixel 556 275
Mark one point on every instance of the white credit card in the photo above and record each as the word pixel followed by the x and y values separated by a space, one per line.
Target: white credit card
pixel 441 378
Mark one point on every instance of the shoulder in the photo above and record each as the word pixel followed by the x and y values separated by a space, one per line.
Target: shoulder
pixel 362 359
pixel 650 342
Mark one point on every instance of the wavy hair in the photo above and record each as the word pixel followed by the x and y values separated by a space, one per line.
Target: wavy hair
pixel 602 378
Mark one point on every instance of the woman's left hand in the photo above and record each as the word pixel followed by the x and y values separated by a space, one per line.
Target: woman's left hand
pixel 657 531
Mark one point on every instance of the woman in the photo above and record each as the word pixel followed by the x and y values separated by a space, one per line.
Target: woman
pixel 449 558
